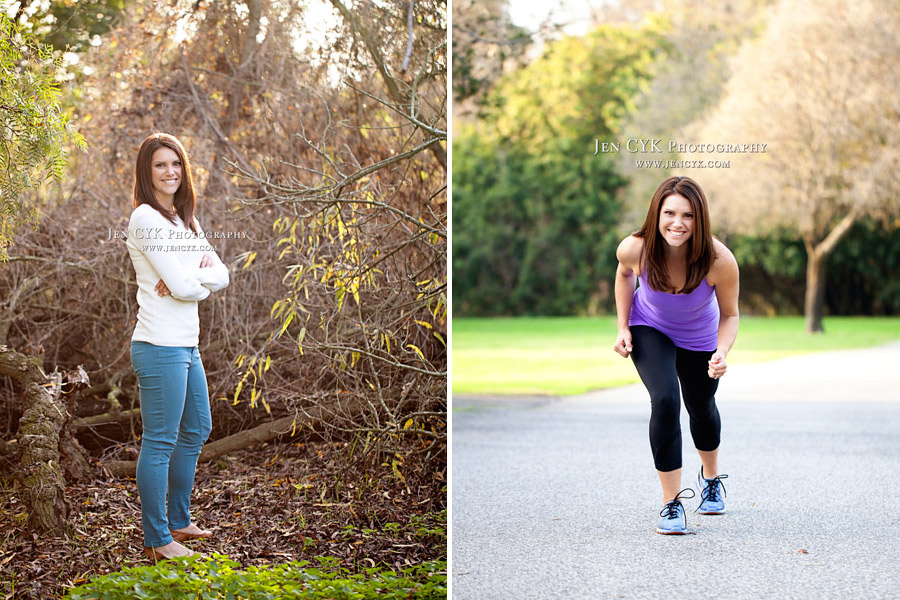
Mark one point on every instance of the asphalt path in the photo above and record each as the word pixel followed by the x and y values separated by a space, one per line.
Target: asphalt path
pixel 558 498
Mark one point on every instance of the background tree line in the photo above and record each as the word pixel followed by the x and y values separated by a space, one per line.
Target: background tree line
pixel 537 216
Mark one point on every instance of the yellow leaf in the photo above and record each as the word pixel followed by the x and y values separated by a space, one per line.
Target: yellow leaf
pixel 237 392
pixel 441 338
pixel 274 308
pixel 250 260
pixel 416 348
pixel 395 468
pixel 408 424
pixel 424 324
pixel 268 363
pixel 287 322
pixel 300 339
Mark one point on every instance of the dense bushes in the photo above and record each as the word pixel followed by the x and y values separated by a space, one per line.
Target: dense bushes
pixel 527 255
pixel 531 234
pixel 534 209
pixel 862 272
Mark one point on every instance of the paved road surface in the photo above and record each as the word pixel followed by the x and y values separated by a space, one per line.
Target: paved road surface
pixel 557 498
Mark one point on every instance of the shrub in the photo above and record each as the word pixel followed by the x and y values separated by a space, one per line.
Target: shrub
pixel 219 578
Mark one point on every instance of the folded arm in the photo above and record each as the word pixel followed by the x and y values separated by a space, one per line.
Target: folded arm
pixel 212 272
pixel 159 252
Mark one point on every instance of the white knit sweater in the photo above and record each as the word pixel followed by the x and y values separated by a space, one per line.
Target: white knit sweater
pixel 161 250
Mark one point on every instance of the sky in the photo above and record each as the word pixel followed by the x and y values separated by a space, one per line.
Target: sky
pixel 576 14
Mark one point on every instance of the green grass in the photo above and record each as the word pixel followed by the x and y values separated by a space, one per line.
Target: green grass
pixel 573 355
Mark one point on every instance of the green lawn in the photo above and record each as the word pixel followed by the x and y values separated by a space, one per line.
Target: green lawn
pixel 572 355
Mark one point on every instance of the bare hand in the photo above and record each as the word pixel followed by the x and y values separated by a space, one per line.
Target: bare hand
pixel 161 288
pixel 206 261
pixel 717 365
pixel 623 342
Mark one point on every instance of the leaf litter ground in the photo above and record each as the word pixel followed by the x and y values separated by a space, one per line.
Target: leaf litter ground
pixel 270 504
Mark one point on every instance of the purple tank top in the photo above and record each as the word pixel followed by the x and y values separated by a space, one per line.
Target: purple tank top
pixel 690 320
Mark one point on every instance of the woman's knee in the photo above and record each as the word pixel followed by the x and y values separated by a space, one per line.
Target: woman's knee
pixel 201 425
pixel 665 404
pixel 205 430
pixel 196 435
pixel 702 410
pixel 162 443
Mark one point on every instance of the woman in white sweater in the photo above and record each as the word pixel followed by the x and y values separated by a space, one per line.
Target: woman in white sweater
pixel 175 268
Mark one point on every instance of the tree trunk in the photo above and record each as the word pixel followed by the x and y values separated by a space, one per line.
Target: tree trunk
pixel 72 454
pixel 814 304
pixel 8 448
pixel 248 49
pixel 370 39
pixel 42 485
pixel 817 256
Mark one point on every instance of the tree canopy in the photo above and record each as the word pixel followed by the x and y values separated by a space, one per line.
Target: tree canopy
pixel 34 129
pixel 817 88
pixel 534 208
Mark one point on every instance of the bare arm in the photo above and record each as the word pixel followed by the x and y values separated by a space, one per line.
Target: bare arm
pixel 624 289
pixel 727 283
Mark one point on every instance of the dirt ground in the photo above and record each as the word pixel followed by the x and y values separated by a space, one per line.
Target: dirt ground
pixel 269 504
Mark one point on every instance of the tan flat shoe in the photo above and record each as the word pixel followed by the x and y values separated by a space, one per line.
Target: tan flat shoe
pixel 152 554
pixel 181 536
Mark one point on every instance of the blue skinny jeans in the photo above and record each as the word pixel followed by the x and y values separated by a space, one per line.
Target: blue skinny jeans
pixel 176 422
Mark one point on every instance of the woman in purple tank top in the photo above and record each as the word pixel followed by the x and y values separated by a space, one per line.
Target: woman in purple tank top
pixel 678 327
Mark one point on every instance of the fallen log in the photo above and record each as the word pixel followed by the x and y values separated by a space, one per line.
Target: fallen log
pixel 107 418
pixel 308 418
pixel 213 450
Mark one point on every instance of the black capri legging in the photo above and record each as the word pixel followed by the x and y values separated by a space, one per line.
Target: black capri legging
pixel 661 366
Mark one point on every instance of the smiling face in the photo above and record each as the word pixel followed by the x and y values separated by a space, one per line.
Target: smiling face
pixel 165 174
pixel 676 220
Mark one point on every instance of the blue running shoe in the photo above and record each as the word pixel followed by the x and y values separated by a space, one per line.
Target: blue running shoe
pixel 672 521
pixel 712 492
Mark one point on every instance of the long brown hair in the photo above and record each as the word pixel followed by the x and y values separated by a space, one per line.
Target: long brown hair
pixel 700 254
pixel 143 181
